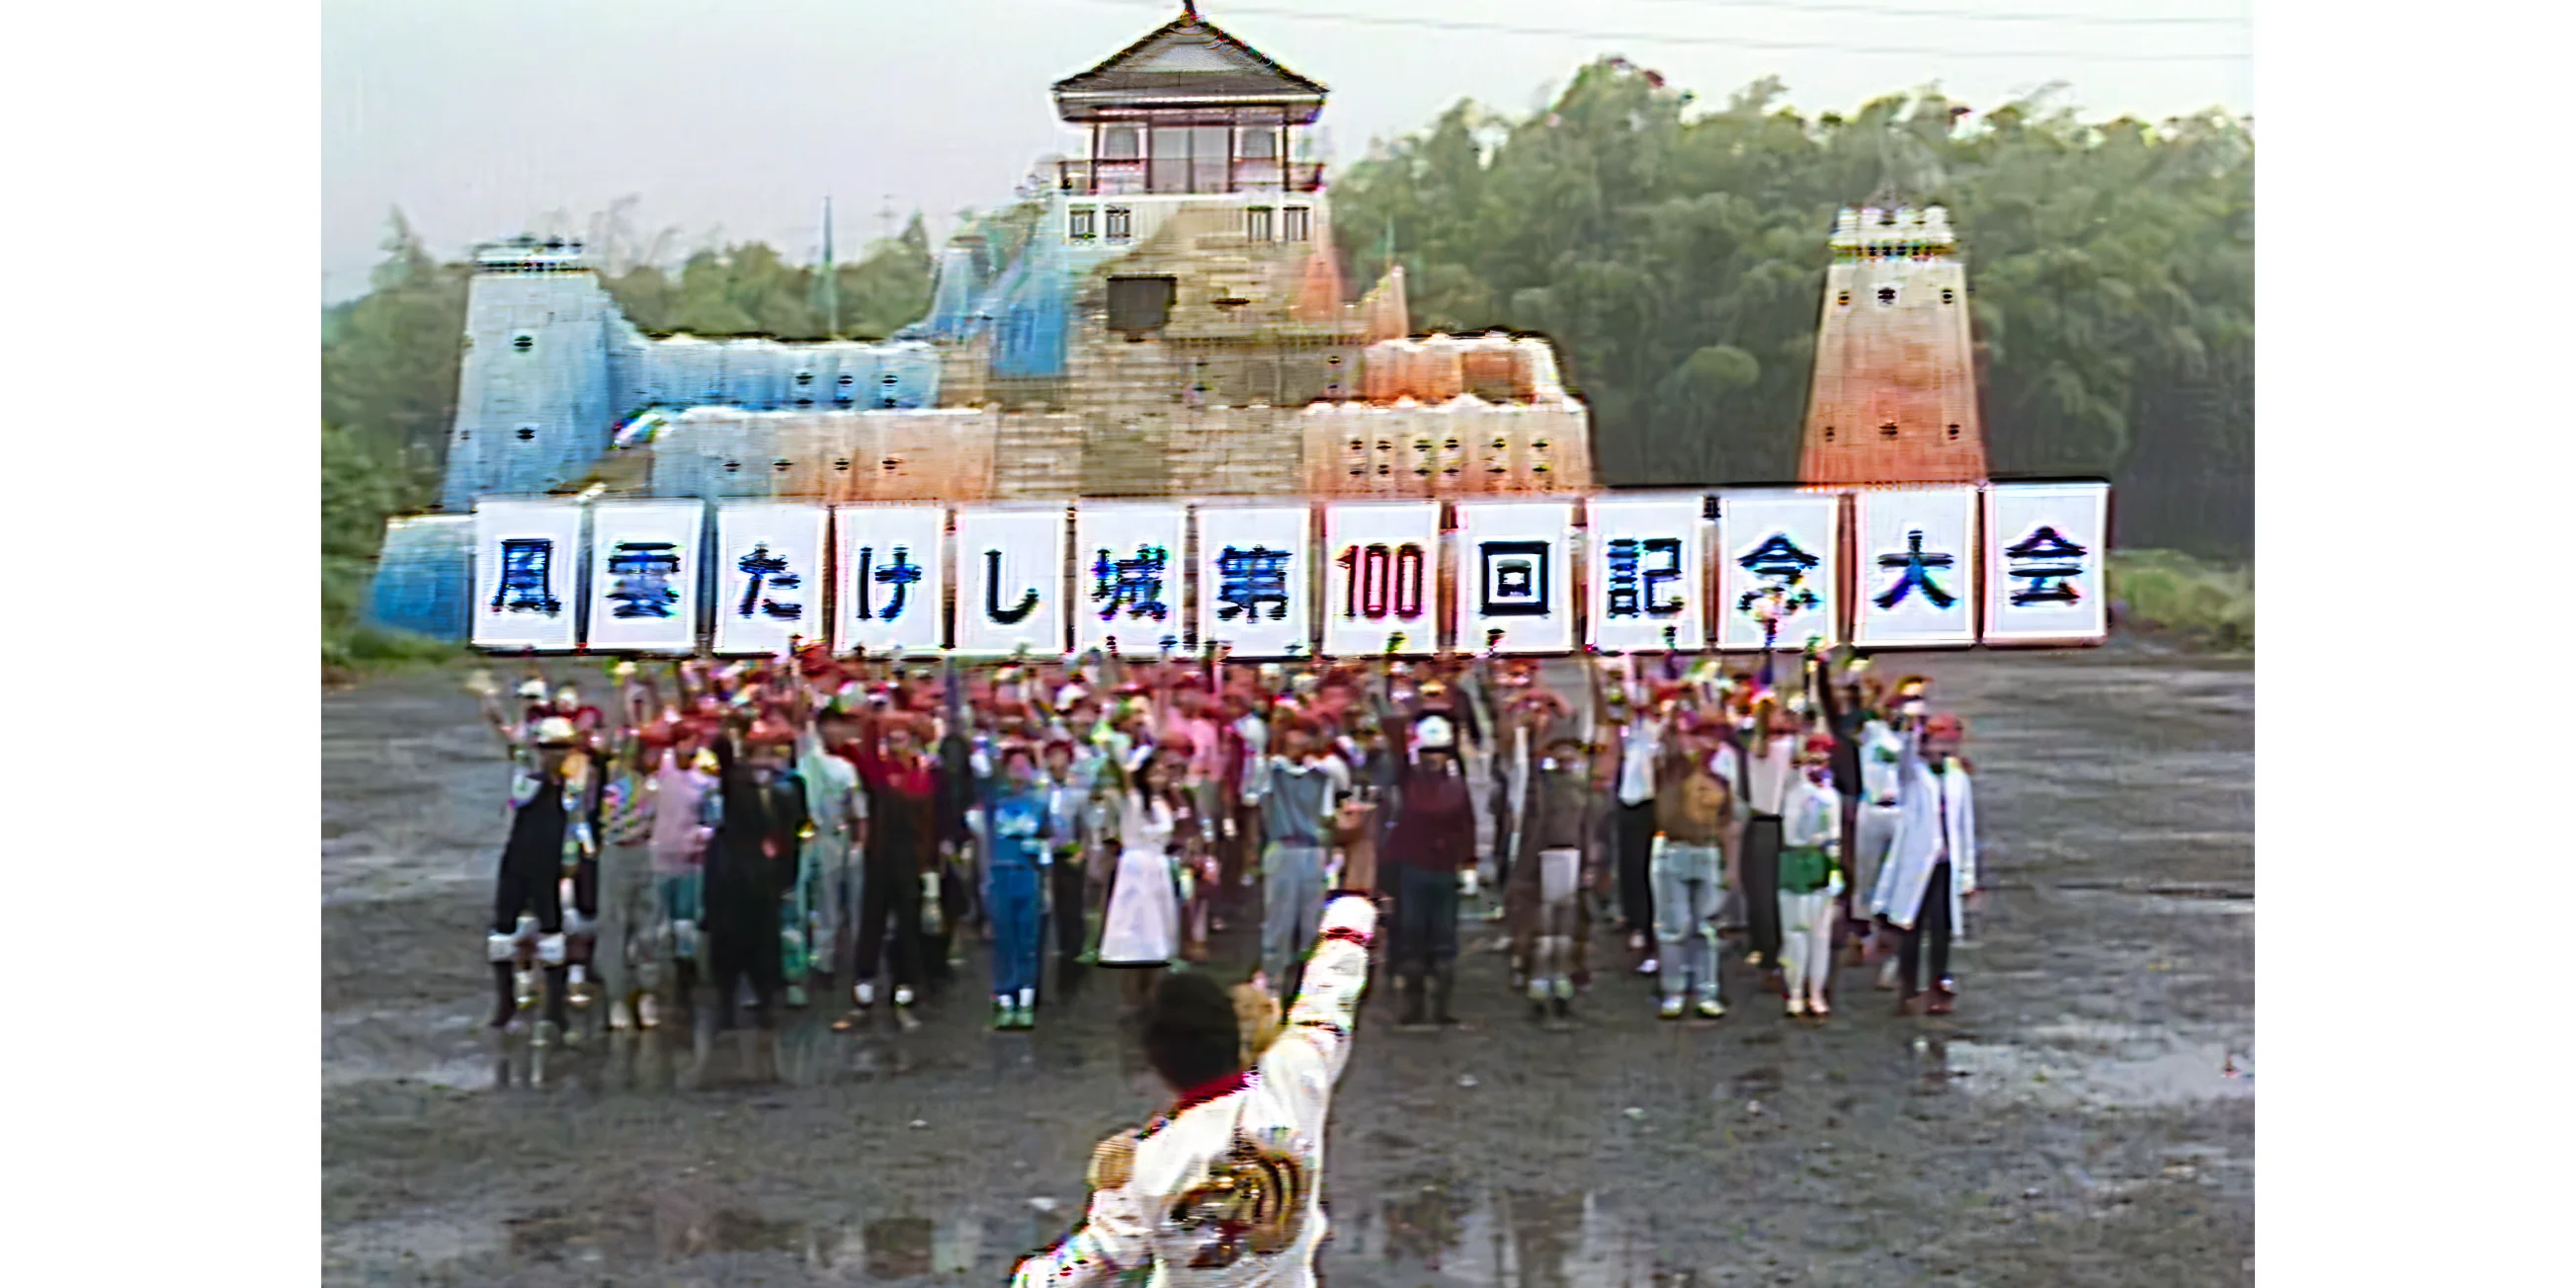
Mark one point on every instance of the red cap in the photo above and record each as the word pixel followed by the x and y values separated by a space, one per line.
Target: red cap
pixel 1819 744
pixel 1945 725
pixel 766 732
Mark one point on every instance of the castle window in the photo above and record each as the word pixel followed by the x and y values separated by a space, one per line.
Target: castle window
pixel 1299 223
pixel 1887 430
pixel 527 433
pixel 1829 433
pixel 848 380
pixel 1842 298
pixel 524 341
pixel 779 465
pixel 1887 295
pixel 1954 433
pixel 733 467
pixel 1256 223
pixel 804 377
pixel 1078 221
pixel 891 464
pixel 1947 297
pixel 842 465
pixel 1119 224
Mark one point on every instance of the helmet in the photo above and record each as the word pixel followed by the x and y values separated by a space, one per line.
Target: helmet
pixel 555 731
pixel 1433 733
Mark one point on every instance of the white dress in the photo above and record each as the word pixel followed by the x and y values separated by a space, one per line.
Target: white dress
pixel 1143 927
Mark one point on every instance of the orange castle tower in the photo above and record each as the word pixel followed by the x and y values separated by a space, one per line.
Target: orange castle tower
pixel 1895 393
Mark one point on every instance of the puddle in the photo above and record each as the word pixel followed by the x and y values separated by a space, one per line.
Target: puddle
pixel 2074 1062
pixel 1463 1234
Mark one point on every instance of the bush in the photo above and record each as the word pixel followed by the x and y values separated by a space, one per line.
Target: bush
pixel 2167 591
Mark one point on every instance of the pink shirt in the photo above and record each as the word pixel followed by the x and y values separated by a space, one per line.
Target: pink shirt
pixel 677 846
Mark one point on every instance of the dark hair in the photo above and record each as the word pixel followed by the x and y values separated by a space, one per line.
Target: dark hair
pixel 1191 1035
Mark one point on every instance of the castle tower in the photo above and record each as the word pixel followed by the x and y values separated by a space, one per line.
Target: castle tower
pixel 1894 398
pixel 532 397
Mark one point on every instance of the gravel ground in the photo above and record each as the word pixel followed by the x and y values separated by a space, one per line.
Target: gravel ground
pixel 2087 1117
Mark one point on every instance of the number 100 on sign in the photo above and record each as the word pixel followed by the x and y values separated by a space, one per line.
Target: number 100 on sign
pixel 1382 579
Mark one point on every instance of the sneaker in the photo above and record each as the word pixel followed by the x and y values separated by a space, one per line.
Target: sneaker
pixel 796 995
pixel 1671 1009
pixel 648 1013
pixel 1797 1005
pixel 548 1034
pixel 1816 1005
pixel 1942 998
pixel 1649 966
pixel 1005 1012
pixel 865 994
pixel 1027 1017
pixel 1711 1008
pixel 903 995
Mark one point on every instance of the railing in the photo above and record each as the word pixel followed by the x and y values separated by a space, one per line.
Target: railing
pixel 1139 177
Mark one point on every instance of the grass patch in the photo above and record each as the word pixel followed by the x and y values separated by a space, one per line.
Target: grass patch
pixel 2169 592
pixel 353 652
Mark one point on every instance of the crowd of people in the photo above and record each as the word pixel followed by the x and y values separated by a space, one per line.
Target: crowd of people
pixel 751 832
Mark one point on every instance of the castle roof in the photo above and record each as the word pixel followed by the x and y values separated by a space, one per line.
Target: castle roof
pixel 1187 62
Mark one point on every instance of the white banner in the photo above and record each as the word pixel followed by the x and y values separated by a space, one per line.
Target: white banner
pixel 1515 577
pixel 1128 569
pixel 2044 546
pixel 1779 560
pixel 527 574
pixel 1381 574
pixel 1256 578
pixel 769 576
pixel 1649 574
pixel 1010 581
pixel 1917 583
pixel 644 566
pixel 889 578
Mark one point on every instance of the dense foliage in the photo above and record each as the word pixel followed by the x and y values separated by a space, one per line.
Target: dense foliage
pixel 1677 257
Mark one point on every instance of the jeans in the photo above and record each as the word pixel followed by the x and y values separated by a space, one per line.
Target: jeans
pixel 1689 881
pixel 1292 899
pixel 1013 901
pixel 1426 920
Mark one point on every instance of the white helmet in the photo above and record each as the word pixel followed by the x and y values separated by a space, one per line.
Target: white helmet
pixel 1433 733
pixel 555 731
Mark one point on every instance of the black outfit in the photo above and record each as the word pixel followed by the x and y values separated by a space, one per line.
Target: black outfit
pixel 1932 925
pixel 1760 868
pixel 750 863
pixel 1846 723
pixel 1636 840
pixel 531 873
pixel 902 839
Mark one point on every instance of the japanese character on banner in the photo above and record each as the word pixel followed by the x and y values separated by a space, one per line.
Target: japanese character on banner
pixel 639 575
pixel 769 576
pixel 527 577
pixel 889 581
pixel 770 569
pixel 1012 563
pixel 1916 580
pixel 1646 572
pixel 1780 570
pixel 527 573
pixel 1253 593
pixel 1249 581
pixel 1132 585
pixel 2044 563
pixel 1515 585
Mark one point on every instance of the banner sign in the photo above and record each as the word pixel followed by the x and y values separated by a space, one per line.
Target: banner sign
pixel 1928 567
pixel 1647 578
pixel 1381 574
pixel 2044 582
pixel 769 576
pixel 1515 577
pixel 1128 566
pixel 889 578
pixel 527 575
pixel 1917 583
pixel 644 571
pixel 1255 580
pixel 1778 563
pixel 1010 581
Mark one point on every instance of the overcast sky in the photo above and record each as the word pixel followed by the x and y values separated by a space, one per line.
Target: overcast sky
pixel 476 117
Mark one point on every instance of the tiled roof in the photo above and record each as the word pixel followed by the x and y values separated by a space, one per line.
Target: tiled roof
pixel 1188 58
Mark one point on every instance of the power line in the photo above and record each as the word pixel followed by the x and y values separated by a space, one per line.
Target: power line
pixel 1673 38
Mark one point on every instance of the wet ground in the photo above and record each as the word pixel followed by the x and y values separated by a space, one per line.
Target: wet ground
pixel 2087 1117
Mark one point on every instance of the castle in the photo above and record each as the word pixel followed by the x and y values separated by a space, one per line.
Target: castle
pixel 1166 319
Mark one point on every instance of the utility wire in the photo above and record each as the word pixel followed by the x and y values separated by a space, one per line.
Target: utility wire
pixel 1674 38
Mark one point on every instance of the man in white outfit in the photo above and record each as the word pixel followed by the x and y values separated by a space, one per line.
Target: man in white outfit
pixel 1220 1189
